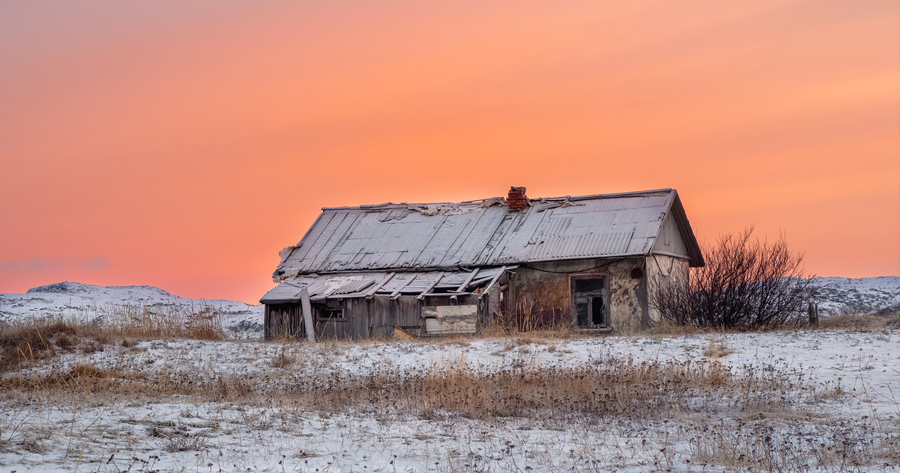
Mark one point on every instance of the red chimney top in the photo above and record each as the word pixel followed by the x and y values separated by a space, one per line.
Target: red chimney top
pixel 516 198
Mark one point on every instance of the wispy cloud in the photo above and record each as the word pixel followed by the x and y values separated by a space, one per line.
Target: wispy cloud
pixel 42 264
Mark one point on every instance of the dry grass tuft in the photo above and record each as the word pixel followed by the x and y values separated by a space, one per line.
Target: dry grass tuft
pixel 283 360
pixel 669 329
pixel 33 340
pixel 613 388
pixel 717 350
pixel 859 323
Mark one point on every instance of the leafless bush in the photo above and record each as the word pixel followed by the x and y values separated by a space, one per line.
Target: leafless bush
pixel 746 284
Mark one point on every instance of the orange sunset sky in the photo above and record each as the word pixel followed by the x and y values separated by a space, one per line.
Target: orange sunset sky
pixel 183 144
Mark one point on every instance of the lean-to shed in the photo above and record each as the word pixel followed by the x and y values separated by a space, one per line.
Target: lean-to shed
pixel 440 268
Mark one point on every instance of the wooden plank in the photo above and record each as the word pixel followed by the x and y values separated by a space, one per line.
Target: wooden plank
pixel 441 320
pixel 267 323
pixel 493 281
pixel 407 312
pixel 430 286
pixel 452 295
pixel 396 294
pixel 371 292
pixel 307 314
pixel 469 279
pixel 352 295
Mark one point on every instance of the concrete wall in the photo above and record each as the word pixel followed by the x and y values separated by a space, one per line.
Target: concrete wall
pixel 628 308
pixel 546 286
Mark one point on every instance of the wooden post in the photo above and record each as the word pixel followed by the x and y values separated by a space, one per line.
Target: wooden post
pixel 813 314
pixel 307 314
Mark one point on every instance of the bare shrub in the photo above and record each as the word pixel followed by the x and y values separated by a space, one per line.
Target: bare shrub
pixel 746 284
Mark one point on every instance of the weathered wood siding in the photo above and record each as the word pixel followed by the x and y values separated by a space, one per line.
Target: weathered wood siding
pixel 283 321
pixel 670 242
pixel 371 318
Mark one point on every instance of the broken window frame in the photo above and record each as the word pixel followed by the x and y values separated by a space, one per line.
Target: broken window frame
pixel 602 293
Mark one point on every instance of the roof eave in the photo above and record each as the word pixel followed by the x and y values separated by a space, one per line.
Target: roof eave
pixel 687 233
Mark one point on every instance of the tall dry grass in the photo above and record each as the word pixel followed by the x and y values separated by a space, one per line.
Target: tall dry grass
pixel 761 420
pixel 860 323
pixel 40 339
pixel 613 388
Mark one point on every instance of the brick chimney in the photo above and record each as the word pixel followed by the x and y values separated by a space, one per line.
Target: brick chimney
pixel 516 198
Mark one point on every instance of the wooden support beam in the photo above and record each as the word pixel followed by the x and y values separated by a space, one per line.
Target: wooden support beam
pixel 307 314
pixel 396 294
pixel 469 279
pixel 371 292
pixel 493 281
pixel 352 295
pixel 452 295
pixel 430 286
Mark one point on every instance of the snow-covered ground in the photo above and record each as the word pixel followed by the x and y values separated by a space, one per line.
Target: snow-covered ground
pixel 843 399
pixel 184 434
pixel 86 302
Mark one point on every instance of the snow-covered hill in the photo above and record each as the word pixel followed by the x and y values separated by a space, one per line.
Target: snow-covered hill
pixel 857 296
pixel 89 302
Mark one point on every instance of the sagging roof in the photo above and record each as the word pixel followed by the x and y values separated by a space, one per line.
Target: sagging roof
pixel 450 236
pixel 393 284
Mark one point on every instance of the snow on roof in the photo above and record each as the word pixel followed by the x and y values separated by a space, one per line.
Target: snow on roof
pixel 484 233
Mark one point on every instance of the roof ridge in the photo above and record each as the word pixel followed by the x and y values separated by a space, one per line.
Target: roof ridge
pixel 391 205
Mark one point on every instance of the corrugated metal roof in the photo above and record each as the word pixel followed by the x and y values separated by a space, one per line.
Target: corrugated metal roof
pixel 483 233
pixel 356 285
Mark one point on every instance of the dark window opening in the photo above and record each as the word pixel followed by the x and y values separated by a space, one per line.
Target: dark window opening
pixel 581 311
pixel 331 314
pixel 597 310
pixel 588 295
pixel 588 285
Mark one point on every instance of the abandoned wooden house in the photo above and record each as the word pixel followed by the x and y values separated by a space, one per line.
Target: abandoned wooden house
pixel 434 269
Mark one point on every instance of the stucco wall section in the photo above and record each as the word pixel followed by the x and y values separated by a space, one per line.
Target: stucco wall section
pixel 628 309
pixel 545 286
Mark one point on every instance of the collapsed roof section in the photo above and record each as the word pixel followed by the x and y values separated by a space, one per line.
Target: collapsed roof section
pixel 485 233
pixel 393 284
